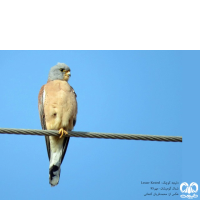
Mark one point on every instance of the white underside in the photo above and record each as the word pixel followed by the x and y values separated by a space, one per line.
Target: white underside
pixel 56 150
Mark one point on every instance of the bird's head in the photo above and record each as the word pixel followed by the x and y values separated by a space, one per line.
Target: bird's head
pixel 59 72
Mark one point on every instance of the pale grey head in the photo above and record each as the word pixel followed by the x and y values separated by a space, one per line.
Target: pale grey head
pixel 59 72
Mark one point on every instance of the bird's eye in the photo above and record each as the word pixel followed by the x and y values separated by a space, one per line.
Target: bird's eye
pixel 61 69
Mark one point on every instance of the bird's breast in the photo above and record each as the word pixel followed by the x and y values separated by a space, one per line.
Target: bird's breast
pixel 58 104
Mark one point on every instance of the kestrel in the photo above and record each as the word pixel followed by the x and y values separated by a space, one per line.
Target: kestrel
pixel 58 109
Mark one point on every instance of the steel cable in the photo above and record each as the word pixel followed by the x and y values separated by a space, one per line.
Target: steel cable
pixel 92 135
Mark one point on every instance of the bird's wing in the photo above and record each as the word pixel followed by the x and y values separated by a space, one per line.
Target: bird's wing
pixel 65 145
pixel 72 89
pixel 42 116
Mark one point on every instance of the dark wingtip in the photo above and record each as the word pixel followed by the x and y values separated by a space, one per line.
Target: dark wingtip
pixel 51 170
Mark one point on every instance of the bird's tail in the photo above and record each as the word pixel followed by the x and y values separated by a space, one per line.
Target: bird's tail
pixel 58 149
pixel 54 175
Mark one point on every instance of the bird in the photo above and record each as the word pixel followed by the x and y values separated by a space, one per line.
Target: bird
pixel 57 105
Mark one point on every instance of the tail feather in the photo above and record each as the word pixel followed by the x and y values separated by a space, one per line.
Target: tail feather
pixel 58 147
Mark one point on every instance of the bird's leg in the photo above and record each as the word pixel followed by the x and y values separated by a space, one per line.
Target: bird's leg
pixel 61 132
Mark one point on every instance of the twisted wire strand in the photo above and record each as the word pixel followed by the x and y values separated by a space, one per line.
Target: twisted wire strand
pixel 92 135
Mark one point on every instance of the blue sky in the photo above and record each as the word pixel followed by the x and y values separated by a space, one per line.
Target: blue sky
pixel 141 92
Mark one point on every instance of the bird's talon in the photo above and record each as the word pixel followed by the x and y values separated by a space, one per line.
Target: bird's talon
pixel 66 133
pixel 61 132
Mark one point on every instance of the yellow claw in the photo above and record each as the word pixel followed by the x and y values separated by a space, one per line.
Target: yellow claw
pixel 61 132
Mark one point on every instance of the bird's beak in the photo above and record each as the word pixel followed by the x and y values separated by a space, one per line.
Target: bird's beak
pixel 68 73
